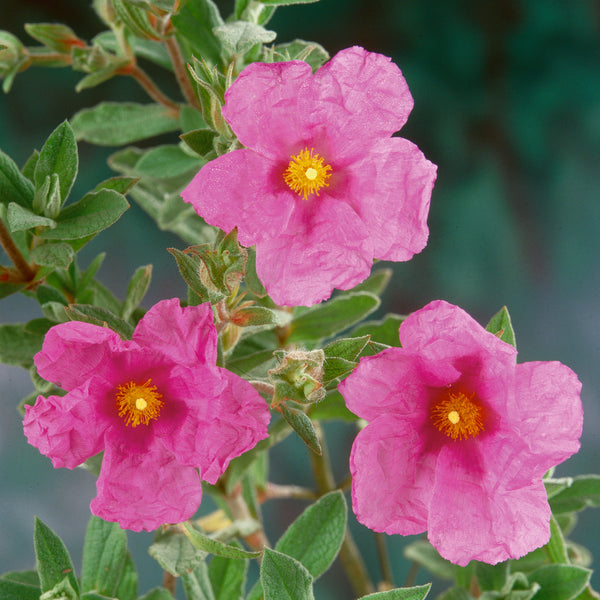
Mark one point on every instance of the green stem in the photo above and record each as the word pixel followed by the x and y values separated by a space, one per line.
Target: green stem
pixel 350 556
pixel 384 560
pixel 15 254
pixel 181 73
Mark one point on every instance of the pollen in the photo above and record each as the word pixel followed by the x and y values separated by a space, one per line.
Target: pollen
pixel 306 174
pixel 138 403
pixel 458 415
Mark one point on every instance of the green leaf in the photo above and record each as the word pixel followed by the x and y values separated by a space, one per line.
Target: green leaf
pixel 243 365
pixel 492 577
pixel 17 346
pixel 332 407
pixel 53 35
pixel 384 331
pixel 119 123
pixel 238 37
pixel 174 553
pixel 14 187
pixel 191 119
pixel 166 161
pixel 148 49
pixel 197 585
pixel 21 219
pixel 58 256
pixel 316 536
pixel 228 578
pixel 412 593
pixel 584 491
pixel 312 53
pixel 208 544
pixel 159 593
pixel 335 367
pixel 456 593
pixel 560 582
pixel 20 585
pixel 104 554
pixel 556 548
pixel 135 19
pixel 555 485
pixel 302 425
pixel 501 326
pixel 424 554
pixel 52 559
pixel 87 313
pixel 189 268
pixel 93 213
pixel 128 584
pixel 118 184
pixel 325 320
pixel 47 199
pixel 63 590
pixel 59 155
pixel 201 141
pixel 195 23
pixel 251 278
pixel 284 578
pixel 346 348
pixel 136 290
pixel 29 167
pixel 375 283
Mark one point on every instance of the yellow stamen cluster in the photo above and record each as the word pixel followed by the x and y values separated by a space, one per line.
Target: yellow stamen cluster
pixel 458 415
pixel 306 174
pixel 138 402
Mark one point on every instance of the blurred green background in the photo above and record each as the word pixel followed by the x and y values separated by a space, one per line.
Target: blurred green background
pixel 507 104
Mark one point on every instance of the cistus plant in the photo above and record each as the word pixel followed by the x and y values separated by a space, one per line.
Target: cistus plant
pixel 285 183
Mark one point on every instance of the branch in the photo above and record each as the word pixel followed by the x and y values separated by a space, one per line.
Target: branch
pixel 14 254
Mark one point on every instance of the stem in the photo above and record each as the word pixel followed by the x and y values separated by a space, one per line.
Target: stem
pixel 239 510
pixel 169 582
pixel 181 72
pixel 262 387
pixel 411 576
pixel 149 86
pixel 350 556
pixel 384 560
pixel 15 254
pixel 274 490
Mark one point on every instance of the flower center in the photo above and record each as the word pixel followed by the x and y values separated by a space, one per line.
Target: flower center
pixel 306 174
pixel 457 415
pixel 138 402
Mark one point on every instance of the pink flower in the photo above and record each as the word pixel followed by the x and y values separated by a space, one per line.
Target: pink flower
pixel 165 415
pixel 321 188
pixel 459 437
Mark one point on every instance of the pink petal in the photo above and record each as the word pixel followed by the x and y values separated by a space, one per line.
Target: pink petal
pixel 392 382
pixel 67 429
pixel 186 335
pixel 73 352
pixel 442 331
pixel 324 247
pixel 548 412
pixel 475 516
pixel 391 189
pixel 245 190
pixel 392 477
pixel 262 106
pixel 222 423
pixel 144 489
pixel 360 96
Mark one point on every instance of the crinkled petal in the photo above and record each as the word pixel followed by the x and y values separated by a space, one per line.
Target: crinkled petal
pixel 144 489
pixel 392 477
pixel 550 414
pixel 67 429
pixel 324 247
pixel 226 418
pixel 263 108
pixel 391 190
pixel 186 335
pixel 443 331
pixel 473 516
pixel 73 352
pixel 393 382
pixel 359 96
pixel 245 190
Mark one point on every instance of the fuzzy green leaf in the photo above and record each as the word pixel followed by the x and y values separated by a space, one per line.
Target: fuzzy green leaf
pixel 238 37
pixel 200 140
pixel 584 491
pixel 384 331
pixel 159 593
pixel 196 584
pixel 560 582
pixel 208 544
pixel 175 553
pixel 21 219
pixel 119 123
pixel 412 593
pixel 424 554
pixel 14 187
pixel 53 35
pixel 166 161
pixel 332 407
pixel 20 585
pixel 325 320
pixel 104 554
pixel 58 256
pixel 189 268
pixel 136 290
pixel 17 346
pixel 227 577
pixel 302 425
pixel 52 559
pixel 128 584
pixel 284 578
pixel 316 536
pixel 102 317
pixel 501 326
pixel 93 213
pixel 59 155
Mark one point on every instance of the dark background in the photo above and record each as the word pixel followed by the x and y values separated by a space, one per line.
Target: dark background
pixel 507 104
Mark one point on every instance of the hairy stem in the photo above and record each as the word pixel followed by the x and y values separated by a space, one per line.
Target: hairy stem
pixel 181 72
pixel 169 582
pixel 15 254
pixel 239 510
pixel 350 556
pixel 149 86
